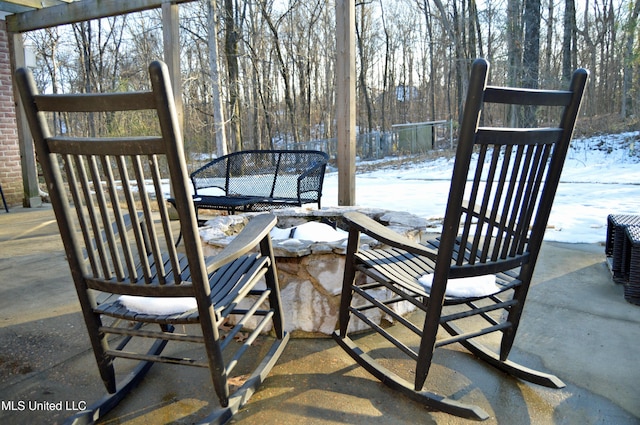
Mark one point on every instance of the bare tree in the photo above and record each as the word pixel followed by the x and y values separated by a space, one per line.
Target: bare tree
pixel 276 62
pixel 531 53
pixel 216 96
pixel 283 69
pixel 233 17
pixel 361 26
pixel 630 33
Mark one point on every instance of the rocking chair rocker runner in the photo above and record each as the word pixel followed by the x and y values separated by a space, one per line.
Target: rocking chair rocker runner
pixel 509 176
pixel 107 195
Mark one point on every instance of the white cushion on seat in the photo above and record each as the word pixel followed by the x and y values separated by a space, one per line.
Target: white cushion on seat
pixel 158 305
pixel 476 286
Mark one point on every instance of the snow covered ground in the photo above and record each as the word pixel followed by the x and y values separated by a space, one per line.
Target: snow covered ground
pixel 601 177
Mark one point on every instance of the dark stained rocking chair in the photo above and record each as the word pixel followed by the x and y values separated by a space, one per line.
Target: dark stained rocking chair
pixel 493 236
pixel 107 195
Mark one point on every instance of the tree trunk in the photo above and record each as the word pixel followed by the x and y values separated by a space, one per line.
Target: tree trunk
pixel 514 50
pixel 385 73
pixel 531 54
pixel 567 38
pixel 232 36
pixel 216 97
pixel 627 98
pixel 363 70
pixel 284 72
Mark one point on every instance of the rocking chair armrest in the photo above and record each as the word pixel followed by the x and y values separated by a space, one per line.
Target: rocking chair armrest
pixel 258 228
pixel 370 227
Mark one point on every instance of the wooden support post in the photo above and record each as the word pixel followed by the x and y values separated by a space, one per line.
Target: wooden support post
pixel 345 100
pixel 31 189
pixel 171 38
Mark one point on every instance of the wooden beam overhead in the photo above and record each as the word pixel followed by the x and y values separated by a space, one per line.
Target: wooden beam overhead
pixel 35 4
pixel 77 11
pixel 12 7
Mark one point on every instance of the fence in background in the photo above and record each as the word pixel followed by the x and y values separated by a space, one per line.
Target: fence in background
pixel 403 139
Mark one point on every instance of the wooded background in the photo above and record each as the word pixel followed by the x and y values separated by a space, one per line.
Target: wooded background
pixel 275 61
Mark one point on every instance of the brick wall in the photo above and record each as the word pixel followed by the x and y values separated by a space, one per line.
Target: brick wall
pixel 10 167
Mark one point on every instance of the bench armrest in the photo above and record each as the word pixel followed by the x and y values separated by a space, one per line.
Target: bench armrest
pixel 212 174
pixel 311 179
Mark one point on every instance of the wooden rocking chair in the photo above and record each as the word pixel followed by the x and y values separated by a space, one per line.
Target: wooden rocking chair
pixel 472 280
pixel 134 285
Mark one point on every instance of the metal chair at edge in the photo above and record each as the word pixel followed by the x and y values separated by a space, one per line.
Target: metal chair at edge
pixel 107 197
pixel 4 201
pixel 494 236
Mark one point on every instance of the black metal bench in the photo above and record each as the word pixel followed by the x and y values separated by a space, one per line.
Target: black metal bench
pixel 257 180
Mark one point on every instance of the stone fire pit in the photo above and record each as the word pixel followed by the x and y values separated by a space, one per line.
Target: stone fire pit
pixel 310 271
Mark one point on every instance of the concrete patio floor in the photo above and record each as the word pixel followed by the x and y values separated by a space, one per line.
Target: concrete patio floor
pixel 577 325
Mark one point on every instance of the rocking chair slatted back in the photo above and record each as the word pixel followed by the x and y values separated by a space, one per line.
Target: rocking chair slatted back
pixel 511 187
pixel 113 184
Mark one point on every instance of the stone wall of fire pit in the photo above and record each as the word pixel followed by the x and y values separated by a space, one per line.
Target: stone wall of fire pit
pixel 310 271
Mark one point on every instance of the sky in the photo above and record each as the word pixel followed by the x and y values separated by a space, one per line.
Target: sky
pixel 601 176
